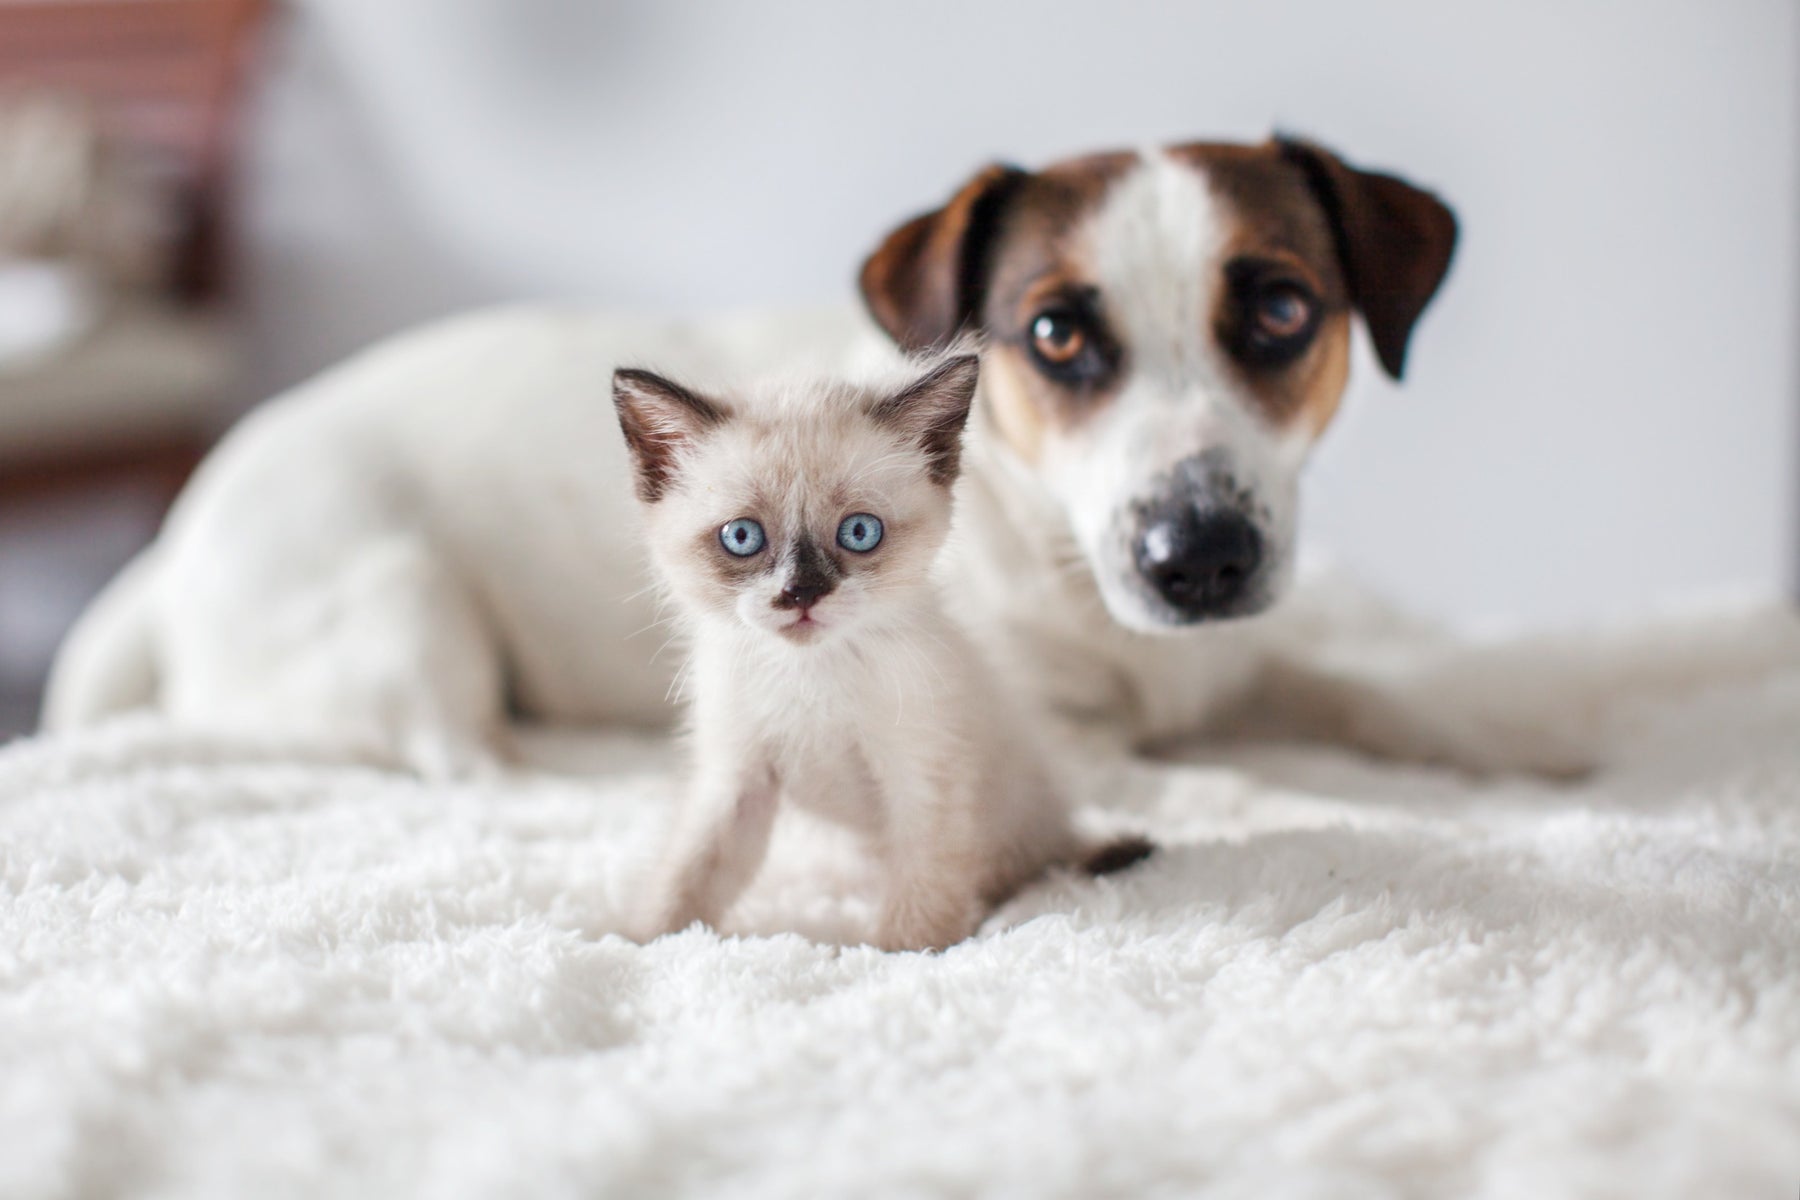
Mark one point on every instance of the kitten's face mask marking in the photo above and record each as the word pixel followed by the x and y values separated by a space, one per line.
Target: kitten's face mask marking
pixel 790 574
pixel 807 513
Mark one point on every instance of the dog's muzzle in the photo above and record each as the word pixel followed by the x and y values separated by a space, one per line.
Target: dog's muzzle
pixel 1198 548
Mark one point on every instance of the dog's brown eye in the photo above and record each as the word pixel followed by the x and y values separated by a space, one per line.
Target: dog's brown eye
pixel 1271 318
pixel 1282 312
pixel 1067 341
pixel 1057 337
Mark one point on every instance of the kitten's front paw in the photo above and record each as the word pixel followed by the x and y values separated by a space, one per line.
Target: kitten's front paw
pixel 656 920
pixel 914 927
pixel 642 932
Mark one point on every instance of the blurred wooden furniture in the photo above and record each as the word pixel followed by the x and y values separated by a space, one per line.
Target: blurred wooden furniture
pixel 165 77
pixel 147 390
pixel 98 435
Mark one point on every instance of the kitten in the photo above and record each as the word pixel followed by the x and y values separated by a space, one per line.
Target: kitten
pixel 795 529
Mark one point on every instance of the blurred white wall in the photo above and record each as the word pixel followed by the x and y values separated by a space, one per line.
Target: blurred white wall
pixel 1602 407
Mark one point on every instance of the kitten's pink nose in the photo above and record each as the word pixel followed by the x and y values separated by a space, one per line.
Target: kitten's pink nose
pixel 802 595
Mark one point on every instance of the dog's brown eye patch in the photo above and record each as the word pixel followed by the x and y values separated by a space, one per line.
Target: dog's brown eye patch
pixel 1271 316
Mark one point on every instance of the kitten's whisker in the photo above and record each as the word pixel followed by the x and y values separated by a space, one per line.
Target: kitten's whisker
pixel 659 622
pixel 667 642
pixel 677 689
pixel 652 586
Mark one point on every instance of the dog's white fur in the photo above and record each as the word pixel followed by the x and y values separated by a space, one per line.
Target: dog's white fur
pixel 384 555
pixel 1158 239
pixel 869 708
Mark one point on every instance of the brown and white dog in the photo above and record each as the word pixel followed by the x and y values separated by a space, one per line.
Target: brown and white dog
pixel 402 551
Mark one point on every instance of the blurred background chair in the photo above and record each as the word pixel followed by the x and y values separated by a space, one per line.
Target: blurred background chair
pixel 118 363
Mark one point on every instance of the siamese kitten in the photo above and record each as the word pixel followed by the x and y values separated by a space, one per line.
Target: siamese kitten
pixel 795 530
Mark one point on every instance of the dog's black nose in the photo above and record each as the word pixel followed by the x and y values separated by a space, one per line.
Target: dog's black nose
pixel 802 595
pixel 1200 560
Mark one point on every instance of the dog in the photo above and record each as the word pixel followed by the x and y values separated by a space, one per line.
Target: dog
pixel 436 535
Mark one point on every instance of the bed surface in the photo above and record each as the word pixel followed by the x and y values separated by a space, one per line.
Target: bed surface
pixel 226 970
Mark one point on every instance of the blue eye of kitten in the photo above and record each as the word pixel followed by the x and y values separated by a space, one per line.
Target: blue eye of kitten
pixel 860 532
pixel 742 537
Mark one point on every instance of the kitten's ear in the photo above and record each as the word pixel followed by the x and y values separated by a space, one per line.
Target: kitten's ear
pixel 660 419
pixel 931 412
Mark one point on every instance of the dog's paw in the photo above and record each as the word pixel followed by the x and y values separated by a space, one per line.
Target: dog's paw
pixel 1544 753
pixel 1478 744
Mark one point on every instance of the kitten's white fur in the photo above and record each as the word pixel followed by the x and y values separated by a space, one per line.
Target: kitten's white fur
pixel 870 708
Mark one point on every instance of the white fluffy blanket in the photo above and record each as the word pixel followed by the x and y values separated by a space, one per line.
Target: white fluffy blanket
pixel 227 974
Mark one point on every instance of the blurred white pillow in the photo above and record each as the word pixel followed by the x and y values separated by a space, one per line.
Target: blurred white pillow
pixel 44 308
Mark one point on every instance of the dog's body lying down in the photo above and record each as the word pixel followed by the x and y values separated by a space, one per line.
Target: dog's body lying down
pixel 398 553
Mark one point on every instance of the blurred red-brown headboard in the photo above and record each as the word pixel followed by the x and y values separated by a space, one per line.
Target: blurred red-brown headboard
pixel 165 76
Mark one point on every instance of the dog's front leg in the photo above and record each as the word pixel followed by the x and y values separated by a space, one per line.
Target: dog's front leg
pixel 718 843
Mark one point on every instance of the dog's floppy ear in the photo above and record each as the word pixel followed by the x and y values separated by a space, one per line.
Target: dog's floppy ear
pixel 931 412
pixel 1395 242
pixel 660 419
pixel 923 284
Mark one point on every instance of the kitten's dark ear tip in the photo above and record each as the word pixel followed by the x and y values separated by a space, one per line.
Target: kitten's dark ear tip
pixel 633 387
pixel 628 383
pixel 956 375
pixel 625 386
pixel 933 409
pixel 659 418
pixel 961 363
